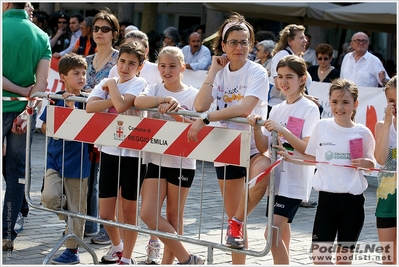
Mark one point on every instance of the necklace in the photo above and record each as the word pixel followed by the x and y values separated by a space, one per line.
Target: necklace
pixel 322 71
pixel 296 100
pixel 96 59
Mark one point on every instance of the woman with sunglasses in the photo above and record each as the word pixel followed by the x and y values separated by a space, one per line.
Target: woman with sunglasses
pixel 240 88
pixel 323 72
pixel 105 33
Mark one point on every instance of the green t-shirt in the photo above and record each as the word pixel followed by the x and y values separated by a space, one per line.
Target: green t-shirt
pixel 24 45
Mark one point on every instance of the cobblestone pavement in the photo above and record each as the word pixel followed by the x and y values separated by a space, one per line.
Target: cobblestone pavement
pixel 42 229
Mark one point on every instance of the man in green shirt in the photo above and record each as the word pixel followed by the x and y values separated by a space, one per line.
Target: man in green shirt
pixel 26 64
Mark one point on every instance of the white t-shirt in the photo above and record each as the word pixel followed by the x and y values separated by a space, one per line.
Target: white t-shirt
pixel 132 87
pixel 149 72
pixel 186 100
pixel 276 97
pixel 294 181
pixel 363 72
pixel 329 142
pixel 230 88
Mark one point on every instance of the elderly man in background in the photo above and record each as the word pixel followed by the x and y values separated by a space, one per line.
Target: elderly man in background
pixel 362 67
pixel 196 55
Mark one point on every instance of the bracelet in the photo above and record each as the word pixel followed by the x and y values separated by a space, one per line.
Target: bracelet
pixel 209 84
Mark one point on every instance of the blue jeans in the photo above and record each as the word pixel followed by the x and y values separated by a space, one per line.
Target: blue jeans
pixel 14 173
pixel 92 200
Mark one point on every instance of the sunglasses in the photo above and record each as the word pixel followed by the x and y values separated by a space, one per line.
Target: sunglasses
pixel 62 22
pixel 104 29
pixel 323 58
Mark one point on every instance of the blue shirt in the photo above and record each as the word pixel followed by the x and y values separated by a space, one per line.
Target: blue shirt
pixel 200 60
pixel 72 153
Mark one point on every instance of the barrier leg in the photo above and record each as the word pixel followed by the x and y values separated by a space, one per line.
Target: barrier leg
pixel 210 255
pixel 64 239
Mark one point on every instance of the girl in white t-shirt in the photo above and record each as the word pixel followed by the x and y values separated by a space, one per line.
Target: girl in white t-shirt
pixel 348 145
pixel 151 74
pixel 294 120
pixel 174 182
pixel 119 168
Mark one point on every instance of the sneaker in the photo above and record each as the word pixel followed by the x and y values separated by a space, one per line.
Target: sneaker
pixel 153 249
pixel 68 257
pixel 8 245
pixel 111 256
pixel 101 238
pixel 19 224
pixel 132 262
pixel 194 260
pixel 234 235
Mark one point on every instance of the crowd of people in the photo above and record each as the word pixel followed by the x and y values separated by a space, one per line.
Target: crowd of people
pixel 252 75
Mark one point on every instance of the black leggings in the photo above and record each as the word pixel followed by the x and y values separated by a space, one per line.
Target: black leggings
pixel 341 215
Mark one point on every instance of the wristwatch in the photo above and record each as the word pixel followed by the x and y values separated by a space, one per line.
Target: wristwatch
pixel 205 118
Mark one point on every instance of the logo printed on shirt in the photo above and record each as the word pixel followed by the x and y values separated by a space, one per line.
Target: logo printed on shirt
pixel 329 155
pixel 327 144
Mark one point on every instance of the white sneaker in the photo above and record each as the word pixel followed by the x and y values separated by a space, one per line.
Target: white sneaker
pixel 19 223
pixel 153 249
pixel 111 256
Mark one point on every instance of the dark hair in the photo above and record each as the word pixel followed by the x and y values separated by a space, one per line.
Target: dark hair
pixel 288 33
pixel 133 48
pixel 324 49
pixel 42 17
pixel 265 35
pixel 18 5
pixel 79 17
pixel 71 61
pixel 297 65
pixel 106 15
pixel 345 85
pixel 234 18
pixel 125 23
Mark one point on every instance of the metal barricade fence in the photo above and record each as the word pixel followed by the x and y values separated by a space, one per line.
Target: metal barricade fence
pixel 151 135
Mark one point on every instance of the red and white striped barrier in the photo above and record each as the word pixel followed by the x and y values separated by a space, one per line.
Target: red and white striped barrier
pixel 151 135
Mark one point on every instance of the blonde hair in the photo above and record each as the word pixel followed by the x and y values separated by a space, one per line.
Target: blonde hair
pixel 390 84
pixel 286 34
pixel 173 51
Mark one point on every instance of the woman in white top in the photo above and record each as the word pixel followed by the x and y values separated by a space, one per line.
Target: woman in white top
pixel 240 88
pixel 292 41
